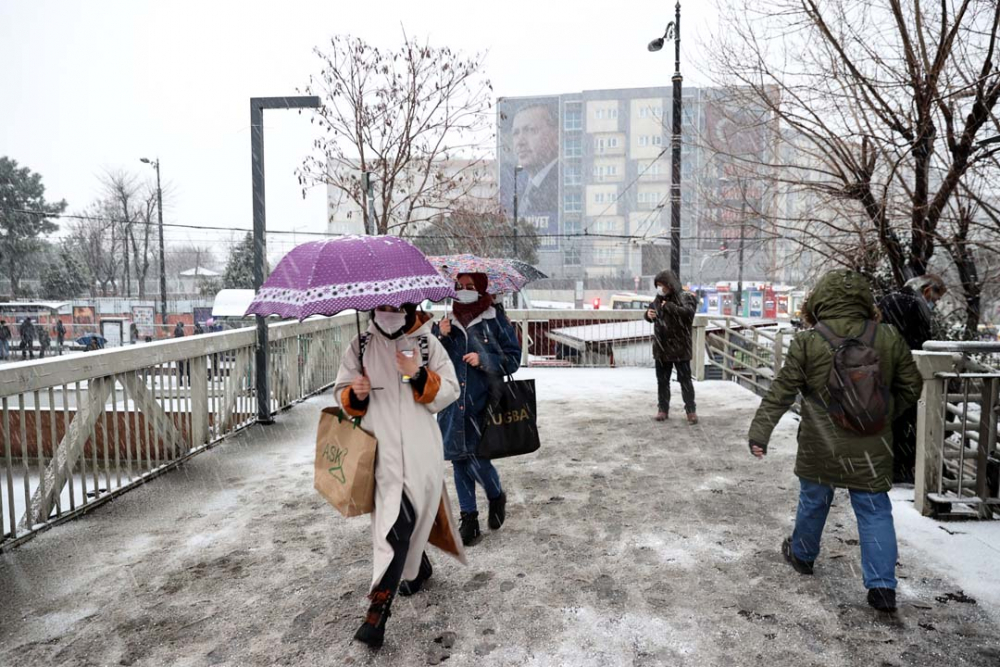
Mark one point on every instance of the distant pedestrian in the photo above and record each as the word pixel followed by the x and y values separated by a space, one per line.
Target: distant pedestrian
pixel 179 330
pixel 911 311
pixel 44 341
pixel 483 348
pixel 182 368
pixel 133 333
pixel 60 335
pixel 4 340
pixel 198 330
pixel 843 443
pixel 672 314
pixel 411 500
pixel 27 331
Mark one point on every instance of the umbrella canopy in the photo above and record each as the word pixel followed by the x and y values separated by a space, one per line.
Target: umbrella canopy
pixel 351 272
pixel 85 341
pixel 503 278
pixel 525 269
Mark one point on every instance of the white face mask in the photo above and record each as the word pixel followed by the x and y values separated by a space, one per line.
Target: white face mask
pixel 662 290
pixel 467 296
pixel 390 323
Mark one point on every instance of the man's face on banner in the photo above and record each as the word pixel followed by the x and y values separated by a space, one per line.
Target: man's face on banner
pixel 536 141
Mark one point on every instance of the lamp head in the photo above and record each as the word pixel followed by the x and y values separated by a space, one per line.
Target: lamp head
pixel 656 44
pixel 144 160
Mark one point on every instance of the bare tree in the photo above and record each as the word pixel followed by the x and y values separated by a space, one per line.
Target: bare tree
pixel 417 117
pixel 874 111
pixel 132 205
pixel 97 243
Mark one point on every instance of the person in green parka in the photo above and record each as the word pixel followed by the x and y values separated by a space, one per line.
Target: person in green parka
pixel 829 455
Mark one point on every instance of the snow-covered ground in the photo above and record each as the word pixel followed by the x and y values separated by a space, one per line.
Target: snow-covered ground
pixel 628 542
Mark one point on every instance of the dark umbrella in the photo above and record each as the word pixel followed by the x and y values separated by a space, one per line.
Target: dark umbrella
pixel 85 341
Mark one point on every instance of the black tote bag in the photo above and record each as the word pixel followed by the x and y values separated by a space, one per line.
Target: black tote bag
pixel 510 428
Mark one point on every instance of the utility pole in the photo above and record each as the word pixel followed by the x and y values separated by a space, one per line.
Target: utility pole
pixel 257 106
pixel 517 171
pixel 674 30
pixel 739 277
pixel 163 265
pixel 368 186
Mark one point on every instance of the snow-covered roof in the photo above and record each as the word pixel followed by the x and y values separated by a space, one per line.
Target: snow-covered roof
pixel 232 302
pixel 33 305
pixel 199 271
pixel 604 332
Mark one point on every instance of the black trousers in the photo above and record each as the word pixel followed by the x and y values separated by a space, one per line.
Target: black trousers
pixel 904 446
pixel 399 539
pixel 663 371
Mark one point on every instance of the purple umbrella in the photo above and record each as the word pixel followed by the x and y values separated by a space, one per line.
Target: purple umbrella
pixel 352 272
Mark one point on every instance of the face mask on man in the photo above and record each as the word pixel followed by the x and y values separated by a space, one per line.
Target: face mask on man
pixel 389 322
pixel 930 303
pixel 662 290
pixel 467 296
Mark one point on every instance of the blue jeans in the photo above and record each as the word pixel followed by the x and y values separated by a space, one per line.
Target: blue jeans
pixel 875 530
pixel 470 471
pixel 4 348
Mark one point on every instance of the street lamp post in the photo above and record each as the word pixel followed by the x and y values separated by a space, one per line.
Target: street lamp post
pixel 674 31
pixel 517 170
pixel 163 266
pixel 257 106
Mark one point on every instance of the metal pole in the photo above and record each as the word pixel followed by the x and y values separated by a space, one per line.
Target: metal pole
pixel 517 170
pixel 257 106
pixel 163 265
pixel 259 253
pixel 739 283
pixel 675 167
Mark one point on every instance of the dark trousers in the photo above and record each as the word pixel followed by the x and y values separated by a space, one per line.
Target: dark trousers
pixel 663 371
pixel 399 539
pixel 904 446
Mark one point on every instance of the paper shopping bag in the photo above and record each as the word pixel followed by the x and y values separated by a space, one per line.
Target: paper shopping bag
pixel 345 463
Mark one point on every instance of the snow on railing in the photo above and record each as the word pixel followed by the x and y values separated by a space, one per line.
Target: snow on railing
pixel 79 429
pixel 958 464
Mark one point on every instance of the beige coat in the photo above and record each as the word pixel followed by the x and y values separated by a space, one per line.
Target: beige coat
pixel 410 456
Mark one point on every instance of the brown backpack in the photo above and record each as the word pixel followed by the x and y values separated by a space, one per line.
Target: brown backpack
pixel 859 397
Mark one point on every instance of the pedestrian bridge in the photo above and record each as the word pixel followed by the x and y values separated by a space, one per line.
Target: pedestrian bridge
pixel 149 519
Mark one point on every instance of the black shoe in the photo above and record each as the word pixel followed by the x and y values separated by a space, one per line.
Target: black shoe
pixel 408 588
pixel 801 566
pixel 469 528
pixel 372 631
pixel 882 599
pixel 498 511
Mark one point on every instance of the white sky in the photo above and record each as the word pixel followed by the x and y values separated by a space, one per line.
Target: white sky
pixel 95 85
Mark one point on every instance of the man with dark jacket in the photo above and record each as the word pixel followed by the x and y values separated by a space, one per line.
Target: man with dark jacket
pixel 672 315
pixel 829 455
pixel 910 310
pixel 60 335
pixel 27 331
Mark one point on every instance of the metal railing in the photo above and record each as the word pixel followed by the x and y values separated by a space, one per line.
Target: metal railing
pixel 958 465
pixel 585 338
pixel 748 352
pixel 80 429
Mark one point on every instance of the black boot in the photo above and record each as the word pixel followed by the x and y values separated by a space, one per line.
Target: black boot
pixel 469 528
pixel 372 631
pixel 882 599
pixel 801 566
pixel 498 511
pixel 408 588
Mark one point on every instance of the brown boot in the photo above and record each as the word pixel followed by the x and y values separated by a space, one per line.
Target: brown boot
pixel 661 416
pixel 692 418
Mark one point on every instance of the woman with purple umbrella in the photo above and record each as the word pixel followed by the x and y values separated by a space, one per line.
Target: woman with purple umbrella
pixel 395 377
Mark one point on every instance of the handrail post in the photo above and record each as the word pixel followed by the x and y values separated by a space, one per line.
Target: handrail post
pixel 779 351
pixel 199 401
pixel 698 332
pixel 930 427
pixel 525 349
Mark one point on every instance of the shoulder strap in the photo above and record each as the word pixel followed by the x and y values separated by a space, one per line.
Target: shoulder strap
pixel 868 335
pixel 362 344
pixel 425 350
pixel 832 339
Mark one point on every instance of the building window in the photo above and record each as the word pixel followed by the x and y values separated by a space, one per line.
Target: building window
pixel 573 256
pixel 572 226
pixel 612 142
pixel 598 197
pixel 657 139
pixel 572 146
pixel 599 114
pixel 572 174
pixel 643 141
pixel 573 118
pixel 572 202
pixel 613 113
pixel 612 170
pixel 599 145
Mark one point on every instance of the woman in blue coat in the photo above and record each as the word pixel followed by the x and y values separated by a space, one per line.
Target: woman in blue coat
pixel 484 349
